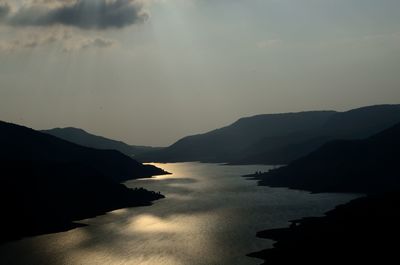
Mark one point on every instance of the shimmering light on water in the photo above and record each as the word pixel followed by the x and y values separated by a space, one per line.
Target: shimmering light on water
pixel 210 217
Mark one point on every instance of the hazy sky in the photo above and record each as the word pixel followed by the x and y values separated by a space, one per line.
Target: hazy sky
pixel 152 71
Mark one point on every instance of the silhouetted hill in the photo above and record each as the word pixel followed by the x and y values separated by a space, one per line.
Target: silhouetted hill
pixel 47 183
pixel 84 138
pixel 367 166
pixel 277 138
pixel 282 149
pixel 21 143
pixel 228 143
pixel 354 124
pixel 363 231
pixel 361 122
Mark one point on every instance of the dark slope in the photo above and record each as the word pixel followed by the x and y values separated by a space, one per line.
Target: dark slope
pixel 228 143
pixel 84 138
pixel 47 183
pixel 21 143
pixel 361 122
pixel 38 197
pixel 368 166
pixel 283 149
pixel 363 231
pixel 354 124
pixel 277 138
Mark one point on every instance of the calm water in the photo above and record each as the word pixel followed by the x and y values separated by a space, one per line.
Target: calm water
pixel 210 216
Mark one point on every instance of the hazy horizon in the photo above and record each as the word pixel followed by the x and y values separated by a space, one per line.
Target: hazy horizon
pixel 205 130
pixel 148 72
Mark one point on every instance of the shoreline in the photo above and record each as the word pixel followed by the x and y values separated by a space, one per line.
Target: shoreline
pixel 358 231
pixel 47 226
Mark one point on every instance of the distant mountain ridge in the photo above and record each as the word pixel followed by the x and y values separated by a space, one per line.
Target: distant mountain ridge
pixel 277 138
pixel 229 143
pixel 81 137
pixel 353 124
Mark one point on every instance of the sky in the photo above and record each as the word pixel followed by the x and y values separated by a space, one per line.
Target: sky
pixel 149 72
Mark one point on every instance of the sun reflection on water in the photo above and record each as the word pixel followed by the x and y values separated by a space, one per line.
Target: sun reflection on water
pixel 152 224
pixel 210 217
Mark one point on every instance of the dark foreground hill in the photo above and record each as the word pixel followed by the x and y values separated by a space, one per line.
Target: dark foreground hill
pixel 48 183
pixel 84 138
pixel 21 143
pixel 277 138
pixel 364 231
pixel 366 166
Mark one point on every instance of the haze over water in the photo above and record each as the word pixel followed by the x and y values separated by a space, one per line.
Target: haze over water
pixel 210 216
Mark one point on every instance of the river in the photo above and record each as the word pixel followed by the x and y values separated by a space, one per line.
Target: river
pixel 210 217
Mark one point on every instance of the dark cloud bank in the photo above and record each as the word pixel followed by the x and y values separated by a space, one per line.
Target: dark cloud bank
pixel 4 10
pixel 84 14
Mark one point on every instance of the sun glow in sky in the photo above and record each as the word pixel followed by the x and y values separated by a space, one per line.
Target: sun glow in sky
pixel 150 72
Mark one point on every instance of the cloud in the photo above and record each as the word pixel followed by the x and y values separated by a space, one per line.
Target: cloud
pixel 66 41
pixel 89 43
pixel 4 10
pixel 83 14
pixel 99 43
pixel 30 42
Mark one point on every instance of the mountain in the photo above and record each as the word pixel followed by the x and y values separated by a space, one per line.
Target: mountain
pixel 229 143
pixel 363 231
pixel 366 166
pixel 84 138
pixel 353 124
pixel 28 144
pixel 48 183
pixel 343 235
pixel 277 138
